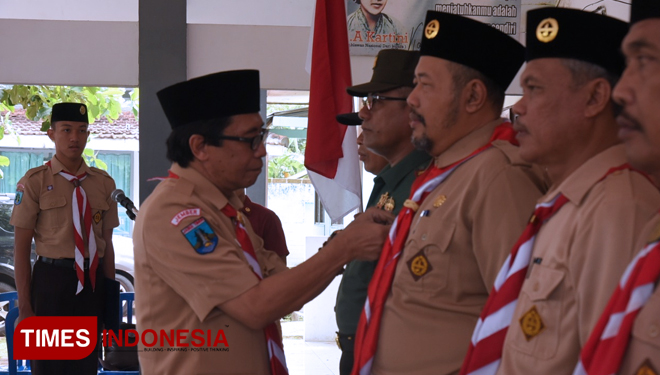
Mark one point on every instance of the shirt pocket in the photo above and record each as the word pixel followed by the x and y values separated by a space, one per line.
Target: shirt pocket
pixel 646 328
pixel 427 258
pixel 99 209
pixel 53 212
pixel 536 329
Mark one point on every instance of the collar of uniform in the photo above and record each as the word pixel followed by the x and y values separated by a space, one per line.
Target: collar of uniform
pixel 205 188
pixel 466 145
pixel 56 167
pixel 392 176
pixel 580 182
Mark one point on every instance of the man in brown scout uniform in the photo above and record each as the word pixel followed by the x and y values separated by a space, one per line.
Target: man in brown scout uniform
pixel 74 255
pixel 385 131
pixel 626 339
pixel 566 123
pixel 199 266
pixel 465 212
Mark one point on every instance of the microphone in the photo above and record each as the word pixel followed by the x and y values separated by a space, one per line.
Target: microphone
pixel 119 197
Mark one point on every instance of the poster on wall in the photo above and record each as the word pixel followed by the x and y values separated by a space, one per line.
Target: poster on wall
pixel 384 24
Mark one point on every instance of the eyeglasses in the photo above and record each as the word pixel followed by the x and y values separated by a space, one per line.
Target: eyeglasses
pixel 253 141
pixel 370 100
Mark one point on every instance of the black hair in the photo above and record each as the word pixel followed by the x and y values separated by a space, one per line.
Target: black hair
pixel 178 148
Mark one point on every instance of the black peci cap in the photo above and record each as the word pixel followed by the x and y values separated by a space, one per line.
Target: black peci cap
pixel 212 96
pixel 393 68
pixel 69 112
pixel 644 9
pixel 576 34
pixel 474 44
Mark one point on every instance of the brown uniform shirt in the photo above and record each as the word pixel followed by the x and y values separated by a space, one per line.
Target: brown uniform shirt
pixel 463 231
pixel 43 203
pixel 179 288
pixel 578 257
pixel 644 347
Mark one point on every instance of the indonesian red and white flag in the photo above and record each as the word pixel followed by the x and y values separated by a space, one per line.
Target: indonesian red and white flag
pixel 331 154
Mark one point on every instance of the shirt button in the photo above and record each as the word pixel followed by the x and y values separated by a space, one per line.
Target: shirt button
pixel 653 330
pixel 536 286
pixel 423 237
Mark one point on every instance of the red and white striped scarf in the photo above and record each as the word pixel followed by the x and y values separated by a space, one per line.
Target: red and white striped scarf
pixel 604 351
pixel 485 352
pixel 82 210
pixel 369 325
pixel 273 339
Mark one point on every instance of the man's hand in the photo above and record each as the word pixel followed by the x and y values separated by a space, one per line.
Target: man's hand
pixel 24 313
pixel 365 236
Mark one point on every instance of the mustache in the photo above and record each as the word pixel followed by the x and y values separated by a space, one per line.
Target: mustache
pixel 627 120
pixel 414 116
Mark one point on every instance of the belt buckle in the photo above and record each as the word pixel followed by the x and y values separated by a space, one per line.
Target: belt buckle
pixel 337 341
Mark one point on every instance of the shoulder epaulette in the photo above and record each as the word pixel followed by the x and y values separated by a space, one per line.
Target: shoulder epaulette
pixel 32 171
pixel 100 171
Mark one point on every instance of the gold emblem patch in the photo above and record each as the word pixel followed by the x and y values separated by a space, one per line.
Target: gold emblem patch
pixel 655 234
pixel 646 369
pixel 432 29
pixel 531 323
pixel 419 265
pixel 82 110
pixel 439 201
pixel 547 30
pixel 97 217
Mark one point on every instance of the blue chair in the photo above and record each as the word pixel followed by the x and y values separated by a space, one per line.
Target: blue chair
pixel 7 302
pixel 126 301
pixel 20 366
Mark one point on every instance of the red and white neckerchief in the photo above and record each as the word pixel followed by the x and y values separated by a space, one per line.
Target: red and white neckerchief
pixel 607 344
pixel 273 339
pixel 485 352
pixel 369 325
pixel 82 210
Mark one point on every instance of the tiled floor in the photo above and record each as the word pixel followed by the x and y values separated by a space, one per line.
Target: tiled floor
pixel 308 358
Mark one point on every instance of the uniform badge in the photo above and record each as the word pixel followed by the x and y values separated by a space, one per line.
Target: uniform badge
pixel 389 205
pixel 82 110
pixel 184 214
pixel 432 29
pixel 382 201
pixel 97 217
pixel 440 201
pixel 200 236
pixel 655 234
pixel 19 197
pixel 419 265
pixel 547 30
pixel 247 209
pixel 240 217
pixel 646 369
pixel 531 323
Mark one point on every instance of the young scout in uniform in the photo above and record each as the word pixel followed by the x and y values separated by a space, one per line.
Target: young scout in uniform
pixel 198 264
pixel 585 227
pixel 73 239
pixel 386 132
pixel 631 342
pixel 464 213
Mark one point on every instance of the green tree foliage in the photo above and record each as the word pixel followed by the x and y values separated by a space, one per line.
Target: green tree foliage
pixel 38 101
pixel 284 166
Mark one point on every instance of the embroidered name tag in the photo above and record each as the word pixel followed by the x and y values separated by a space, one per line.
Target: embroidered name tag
pixel 184 214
